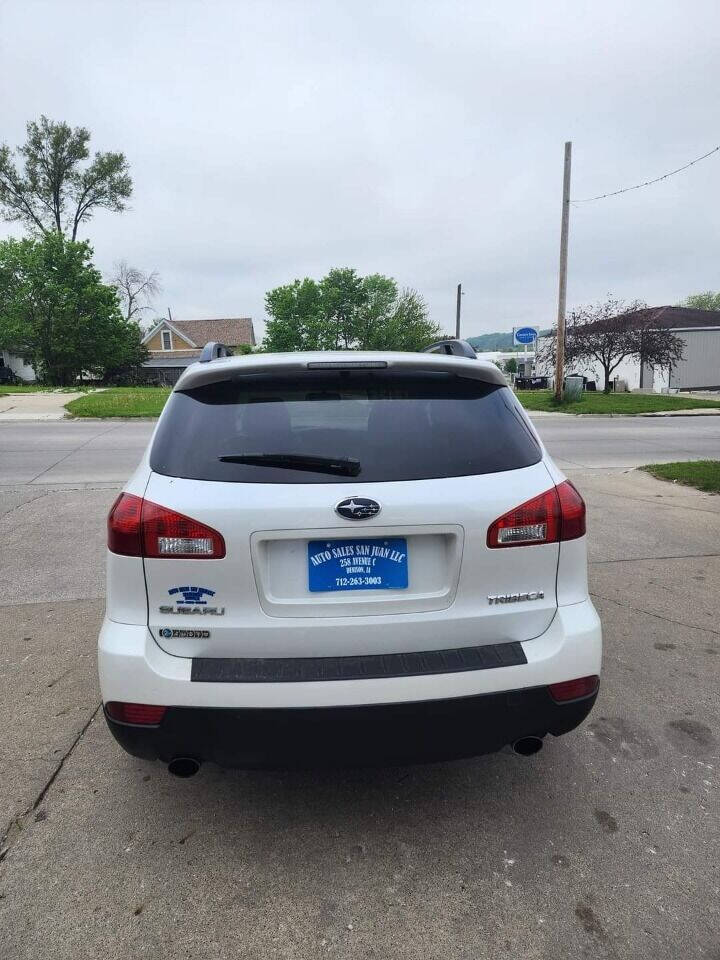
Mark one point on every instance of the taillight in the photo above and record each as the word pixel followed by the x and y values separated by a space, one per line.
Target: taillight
pixel 557 514
pixel 169 534
pixel 143 714
pixel 140 528
pixel 573 689
pixel 123 526
pixel 572 508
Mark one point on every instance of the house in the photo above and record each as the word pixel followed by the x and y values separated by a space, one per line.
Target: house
pixel 698 370
pixel 20 366
pixel 174 345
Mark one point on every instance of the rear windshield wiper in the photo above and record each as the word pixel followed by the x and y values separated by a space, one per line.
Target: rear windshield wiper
pixel 342 466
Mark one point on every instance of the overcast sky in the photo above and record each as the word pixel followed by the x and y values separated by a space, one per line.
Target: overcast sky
pixel 275 140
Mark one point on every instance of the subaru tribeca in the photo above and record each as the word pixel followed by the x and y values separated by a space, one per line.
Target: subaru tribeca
pixel 345 558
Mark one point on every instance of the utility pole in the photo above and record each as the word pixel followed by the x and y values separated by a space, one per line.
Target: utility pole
pixel 457 312
pixel 562 286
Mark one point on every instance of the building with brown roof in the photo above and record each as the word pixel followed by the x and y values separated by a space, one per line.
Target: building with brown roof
pixel 699 368
pixel 175 344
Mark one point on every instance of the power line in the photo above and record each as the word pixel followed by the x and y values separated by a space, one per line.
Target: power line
pixel 647 183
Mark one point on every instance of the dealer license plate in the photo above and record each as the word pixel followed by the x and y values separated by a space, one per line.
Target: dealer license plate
pixel 379 564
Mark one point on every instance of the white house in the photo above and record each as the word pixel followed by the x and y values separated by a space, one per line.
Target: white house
pixel 20 366
pixel 698 370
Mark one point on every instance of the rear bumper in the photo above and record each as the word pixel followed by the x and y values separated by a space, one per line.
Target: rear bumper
pixel 133 668
pixel 359 735
pixel 425 716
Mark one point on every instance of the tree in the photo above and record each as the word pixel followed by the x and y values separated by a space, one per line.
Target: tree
pixel 136 290
pixel 295 318
pixel 511 365
pixel 346 311
pixel 610 332
pixel 53 192
pixel 342 296
pixel 55 309
pixel 702 301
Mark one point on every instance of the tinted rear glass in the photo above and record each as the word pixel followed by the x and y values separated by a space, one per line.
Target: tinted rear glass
pixel 391 425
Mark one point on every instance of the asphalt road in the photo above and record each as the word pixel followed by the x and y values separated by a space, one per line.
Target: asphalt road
pixel 102 451
pixel 605 845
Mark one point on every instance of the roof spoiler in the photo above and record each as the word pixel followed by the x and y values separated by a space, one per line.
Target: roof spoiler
pixel 213 351
pixel 456 348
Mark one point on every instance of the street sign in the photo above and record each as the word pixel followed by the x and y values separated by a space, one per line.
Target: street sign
pixel 524 335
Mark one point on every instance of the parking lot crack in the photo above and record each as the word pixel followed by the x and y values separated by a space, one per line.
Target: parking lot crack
pixel 73 452
pixel 14 831
pixel 657 616
pixel 663 500
pixel 23 503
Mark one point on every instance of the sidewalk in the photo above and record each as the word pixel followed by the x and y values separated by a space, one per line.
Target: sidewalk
pixel 35 406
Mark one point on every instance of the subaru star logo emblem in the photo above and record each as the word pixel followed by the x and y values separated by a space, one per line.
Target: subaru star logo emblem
pixel 357 508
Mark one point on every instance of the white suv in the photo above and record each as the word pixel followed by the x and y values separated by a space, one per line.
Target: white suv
pixel 345 558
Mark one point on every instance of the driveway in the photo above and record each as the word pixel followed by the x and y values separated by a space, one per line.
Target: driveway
pixel 34 406
pixel 604 845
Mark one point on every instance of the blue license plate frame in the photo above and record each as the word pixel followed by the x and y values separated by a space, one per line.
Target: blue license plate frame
pixel 358 563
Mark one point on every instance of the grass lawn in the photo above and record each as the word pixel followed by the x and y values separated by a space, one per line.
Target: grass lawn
pixel 627 403
pixel 35 388
pixel 23 388
pixel 120 402
pixel 149 401
pixel 703 474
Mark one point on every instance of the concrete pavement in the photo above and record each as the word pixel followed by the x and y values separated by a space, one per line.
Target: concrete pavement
pixel 34 406
pixel 605 845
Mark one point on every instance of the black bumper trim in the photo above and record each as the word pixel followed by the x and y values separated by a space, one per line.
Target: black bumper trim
pixel 371 735
pixel 299 669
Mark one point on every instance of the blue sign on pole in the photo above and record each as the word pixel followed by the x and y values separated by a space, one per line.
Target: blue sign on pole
pixel 525 334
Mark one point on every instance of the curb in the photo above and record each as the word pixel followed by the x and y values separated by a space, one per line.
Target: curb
pixel 68 418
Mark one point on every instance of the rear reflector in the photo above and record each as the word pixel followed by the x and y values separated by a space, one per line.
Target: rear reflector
pixel 557 514
pixel 142 714
pixel 140 528
pixel 573 689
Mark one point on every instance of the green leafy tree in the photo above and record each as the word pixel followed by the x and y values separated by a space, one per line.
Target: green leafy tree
pixel 55 309
pixel 609 332
pixel 710 300
pixel 342 297
pixel 511 365
pixel 53 191
pixel 295 317
pixel 348 312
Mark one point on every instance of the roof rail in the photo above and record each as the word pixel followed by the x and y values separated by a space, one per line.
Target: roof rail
pixel 213 351
pixel 456 348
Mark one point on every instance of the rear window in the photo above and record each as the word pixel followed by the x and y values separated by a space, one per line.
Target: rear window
pixel 347 426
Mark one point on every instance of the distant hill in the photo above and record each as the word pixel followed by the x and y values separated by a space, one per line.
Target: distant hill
pixel 492 341
pixel 495 341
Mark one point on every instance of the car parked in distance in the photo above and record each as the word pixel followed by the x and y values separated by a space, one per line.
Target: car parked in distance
pixel 345 558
